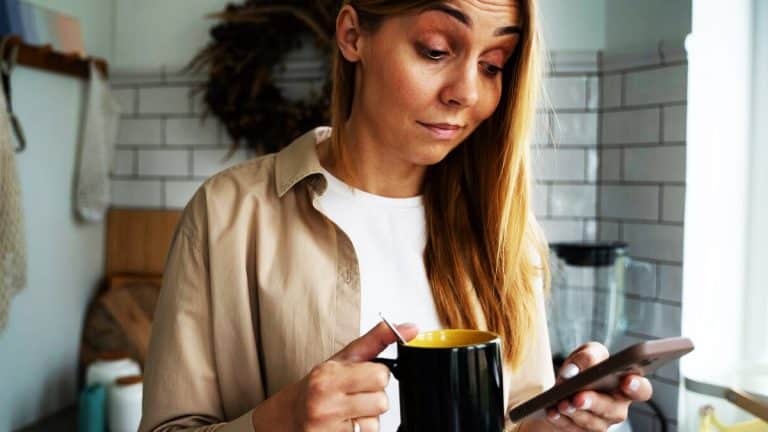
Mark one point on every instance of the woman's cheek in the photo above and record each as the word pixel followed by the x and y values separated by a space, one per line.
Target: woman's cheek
pixel 489 100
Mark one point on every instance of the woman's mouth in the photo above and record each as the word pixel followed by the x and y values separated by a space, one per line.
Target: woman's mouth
pixel 442 131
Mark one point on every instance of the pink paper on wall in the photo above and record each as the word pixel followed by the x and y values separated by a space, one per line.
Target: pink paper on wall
pixel 46 26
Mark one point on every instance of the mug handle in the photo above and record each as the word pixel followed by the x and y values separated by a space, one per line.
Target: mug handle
pixel 391 364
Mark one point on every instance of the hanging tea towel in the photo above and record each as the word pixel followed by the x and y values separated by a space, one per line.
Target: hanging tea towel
pixel 13 253
pixel 102 113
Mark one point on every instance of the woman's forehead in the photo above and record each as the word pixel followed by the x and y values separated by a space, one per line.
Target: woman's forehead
pixel 495 17
pixel 504 12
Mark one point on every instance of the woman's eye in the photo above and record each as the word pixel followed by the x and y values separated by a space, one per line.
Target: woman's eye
pixel 433 54
pixel 491 70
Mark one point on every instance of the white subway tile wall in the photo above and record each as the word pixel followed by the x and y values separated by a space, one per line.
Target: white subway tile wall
pixel 611 90
pixel 655 242
pixel 610 164
pixel 629 202
pixel 140 131
pixel 126 98
pixel 647 202
pixel 192 131
pixel 671 282
pixel 137 193
pixel 565 159
pixel 615 170
pixel 593 93
pixel 563 229
pixel 164 100
pixel 170 163
pixel 124 162
pixel 673 203
pixel 560 164
pixel 164 148
pixel 540 200
pixel 654 86
pixel 673 123
pixel 608 231
pixel 631 126
pixel 655 164
pixel 573 200
pixel 568 92
pixel 578 129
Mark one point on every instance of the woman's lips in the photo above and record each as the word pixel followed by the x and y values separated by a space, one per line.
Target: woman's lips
pixel 442 131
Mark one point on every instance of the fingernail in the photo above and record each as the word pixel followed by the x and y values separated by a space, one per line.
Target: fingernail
pixel 555 416
pixel 586 404
pixel 634 384
pixel 570 409
pixel 569 371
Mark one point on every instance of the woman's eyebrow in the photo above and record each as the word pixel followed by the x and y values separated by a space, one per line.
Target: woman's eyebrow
pixel 466 20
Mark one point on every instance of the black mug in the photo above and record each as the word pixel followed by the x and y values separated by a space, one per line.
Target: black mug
pixel 450 381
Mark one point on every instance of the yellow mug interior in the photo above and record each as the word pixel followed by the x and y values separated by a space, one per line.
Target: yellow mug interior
pixel 452 338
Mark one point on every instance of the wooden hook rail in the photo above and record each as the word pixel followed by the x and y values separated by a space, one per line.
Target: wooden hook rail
pixel 46 58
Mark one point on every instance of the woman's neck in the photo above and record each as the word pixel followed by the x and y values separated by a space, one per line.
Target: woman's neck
pixel 375 170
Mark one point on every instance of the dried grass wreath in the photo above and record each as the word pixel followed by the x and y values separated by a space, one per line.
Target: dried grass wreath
pixel 248 45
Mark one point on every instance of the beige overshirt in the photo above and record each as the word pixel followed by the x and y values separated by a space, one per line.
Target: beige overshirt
pixel 259 287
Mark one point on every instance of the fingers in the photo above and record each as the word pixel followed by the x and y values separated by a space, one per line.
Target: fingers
pixel 582 417
pixel 561 422
pixel 636 388
pixel 363 377
pixel 592 411
pixel 582 358
pixel 347 378
pixel 368 424
pixel 375 341
pixel 372 404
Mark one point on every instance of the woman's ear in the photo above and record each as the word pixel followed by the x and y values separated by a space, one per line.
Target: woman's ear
pixel 348 33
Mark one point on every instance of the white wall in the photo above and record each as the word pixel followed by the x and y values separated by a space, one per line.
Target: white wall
pixel 718 194
pixel 632 25
pixel 151 33
pixel 614 25
pixel 39 348
pixel 96 22
pixel 573 25
pixel 756 333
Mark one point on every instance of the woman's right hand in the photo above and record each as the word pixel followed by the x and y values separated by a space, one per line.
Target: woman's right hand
pixel 346 387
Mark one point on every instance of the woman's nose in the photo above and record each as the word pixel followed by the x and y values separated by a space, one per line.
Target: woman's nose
pixel 462 89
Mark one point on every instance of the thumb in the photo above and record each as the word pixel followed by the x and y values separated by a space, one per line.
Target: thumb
pixel 369 345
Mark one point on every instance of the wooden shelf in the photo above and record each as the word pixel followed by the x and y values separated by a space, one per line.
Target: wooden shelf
pixel 45 58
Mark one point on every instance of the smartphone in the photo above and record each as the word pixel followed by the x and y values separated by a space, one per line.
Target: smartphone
pixel 639 359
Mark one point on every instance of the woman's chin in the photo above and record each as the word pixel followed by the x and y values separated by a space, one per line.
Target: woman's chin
pixel 433 153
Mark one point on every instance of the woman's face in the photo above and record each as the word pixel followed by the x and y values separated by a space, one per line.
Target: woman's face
pixel 426 81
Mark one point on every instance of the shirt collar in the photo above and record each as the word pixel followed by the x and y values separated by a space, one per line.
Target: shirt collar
pixel 299 160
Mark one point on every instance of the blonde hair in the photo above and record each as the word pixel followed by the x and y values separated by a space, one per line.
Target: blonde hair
pixel 484 247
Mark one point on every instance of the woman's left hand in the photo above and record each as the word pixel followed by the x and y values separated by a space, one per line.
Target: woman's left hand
pixel 590 410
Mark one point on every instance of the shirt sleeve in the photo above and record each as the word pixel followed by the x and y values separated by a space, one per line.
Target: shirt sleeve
pixel 181 388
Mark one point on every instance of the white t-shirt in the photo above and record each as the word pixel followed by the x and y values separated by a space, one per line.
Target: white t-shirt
pixel 389 236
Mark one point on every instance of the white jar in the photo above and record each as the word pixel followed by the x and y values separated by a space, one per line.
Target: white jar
pixel 124 404
pixel 110 367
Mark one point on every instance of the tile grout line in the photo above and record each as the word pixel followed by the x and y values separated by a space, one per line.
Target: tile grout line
pixel 661 202
pixel 135 168
pixel 190 163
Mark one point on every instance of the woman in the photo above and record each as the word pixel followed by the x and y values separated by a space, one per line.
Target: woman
pixel 416 202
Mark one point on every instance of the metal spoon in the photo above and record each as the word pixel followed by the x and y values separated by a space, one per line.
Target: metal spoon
pixel 394 330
